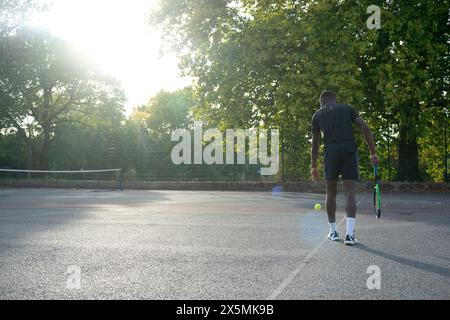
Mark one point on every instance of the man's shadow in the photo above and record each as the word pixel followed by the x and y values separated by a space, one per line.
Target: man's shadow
pixel 412 263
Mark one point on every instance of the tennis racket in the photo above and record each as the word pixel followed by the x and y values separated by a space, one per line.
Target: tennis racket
pixel 376 194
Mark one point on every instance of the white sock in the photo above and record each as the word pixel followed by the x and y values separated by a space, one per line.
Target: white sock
pixel 350 226
pixel 332 227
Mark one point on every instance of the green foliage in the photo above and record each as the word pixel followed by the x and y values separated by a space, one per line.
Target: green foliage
pixel 47 84
pixel 264 63
pixel 168 111
pixel 148 132
pixel 255 64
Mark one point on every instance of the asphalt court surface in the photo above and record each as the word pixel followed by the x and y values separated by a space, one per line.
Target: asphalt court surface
pixel 138 244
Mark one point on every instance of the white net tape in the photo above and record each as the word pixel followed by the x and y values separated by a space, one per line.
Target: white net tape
pixel 60 171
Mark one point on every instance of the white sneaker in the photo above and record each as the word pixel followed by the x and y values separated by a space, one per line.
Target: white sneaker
pixel 334 236
pixel 350 240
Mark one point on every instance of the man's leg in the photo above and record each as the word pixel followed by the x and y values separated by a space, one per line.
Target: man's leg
pixel 350 198
pixel 331 209
pixel 350 207
pixel 350 174
pixel 331 200
pixel 331 175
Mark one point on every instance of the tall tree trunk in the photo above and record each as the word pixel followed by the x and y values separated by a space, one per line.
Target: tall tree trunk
pixel 408 155
pixel 46 128
pixel 44 156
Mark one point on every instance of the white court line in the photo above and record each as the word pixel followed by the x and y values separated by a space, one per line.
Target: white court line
pixel 305 261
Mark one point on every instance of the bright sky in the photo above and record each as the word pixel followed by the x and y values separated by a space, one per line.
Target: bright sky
pixel 116 36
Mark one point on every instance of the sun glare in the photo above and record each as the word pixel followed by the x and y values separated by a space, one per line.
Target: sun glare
pixel 115 35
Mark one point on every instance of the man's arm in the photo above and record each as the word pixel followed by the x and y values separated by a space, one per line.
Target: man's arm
pixel 314 153
pixel 362 125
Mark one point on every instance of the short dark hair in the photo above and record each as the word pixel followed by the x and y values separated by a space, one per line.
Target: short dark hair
pixel 327 97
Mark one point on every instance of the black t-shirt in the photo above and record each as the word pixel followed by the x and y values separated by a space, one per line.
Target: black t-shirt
pixel 335 122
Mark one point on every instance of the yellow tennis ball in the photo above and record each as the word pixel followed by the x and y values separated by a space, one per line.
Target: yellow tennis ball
pixel 317 206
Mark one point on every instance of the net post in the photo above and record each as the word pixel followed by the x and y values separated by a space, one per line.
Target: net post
pixel 120 180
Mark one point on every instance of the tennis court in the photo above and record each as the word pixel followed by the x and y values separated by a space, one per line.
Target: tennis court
pixel 137 244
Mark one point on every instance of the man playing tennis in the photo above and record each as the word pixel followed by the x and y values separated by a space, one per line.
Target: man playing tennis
pixel 341 157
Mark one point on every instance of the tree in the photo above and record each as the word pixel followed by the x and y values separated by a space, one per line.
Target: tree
pixel 264 63
pixel 149 128
pixel 12 15
pixel 168 111
pixel 48 84
pixel 407 70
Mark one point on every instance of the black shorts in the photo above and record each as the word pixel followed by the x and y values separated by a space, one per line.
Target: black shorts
pixel 341 159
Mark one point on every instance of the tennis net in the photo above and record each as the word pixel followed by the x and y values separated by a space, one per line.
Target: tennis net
pixel 103 178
